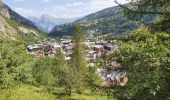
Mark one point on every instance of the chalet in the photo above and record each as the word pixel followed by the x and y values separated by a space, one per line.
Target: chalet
pixel 108 47
pixel 95 49
pixel 123 80
pixel 119 78
pixel 98 48
pixel 56 46
pixel 113 77
pixel 89 43
pixel 101 42
pixel 51 53
pixel 91 56
pixel 39 54
pixel 67 57
pixel 114 65
pixel 68 52
pixel 65 42
pixel 32 49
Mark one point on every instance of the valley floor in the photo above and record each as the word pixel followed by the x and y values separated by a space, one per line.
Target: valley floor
pixel 28 92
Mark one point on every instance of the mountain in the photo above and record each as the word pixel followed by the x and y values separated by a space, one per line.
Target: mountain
pixel 107 21
pixel 47 22
pixel 9 13
pixel 14 26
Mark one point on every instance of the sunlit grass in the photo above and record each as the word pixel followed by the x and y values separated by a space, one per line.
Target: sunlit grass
pixel 76 96
pixel 28 92
pixel 25 92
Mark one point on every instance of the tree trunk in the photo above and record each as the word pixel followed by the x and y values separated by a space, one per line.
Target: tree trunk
pixel 68 90
pixel 79 91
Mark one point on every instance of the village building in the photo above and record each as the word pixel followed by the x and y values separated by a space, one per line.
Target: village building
pixel 113 65
pixel 109 75
pixel 113 77
pixel 39 54
pixel 109 47
pixel 95 49
pixel 51 53
pixel 56 46
pixel 32 49
pixel 91 56
pixel 99 50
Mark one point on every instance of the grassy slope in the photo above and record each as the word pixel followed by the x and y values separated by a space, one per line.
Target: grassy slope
pixel 87 97
pixel 27 92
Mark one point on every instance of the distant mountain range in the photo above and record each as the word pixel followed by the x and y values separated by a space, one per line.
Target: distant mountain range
pixel 107 21
pixel 47 23
pixel 14 26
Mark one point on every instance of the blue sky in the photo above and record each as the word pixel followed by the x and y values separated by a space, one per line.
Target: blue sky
pixel 59 8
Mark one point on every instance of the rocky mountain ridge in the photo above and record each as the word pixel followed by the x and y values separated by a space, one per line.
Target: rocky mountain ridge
pixel 47 22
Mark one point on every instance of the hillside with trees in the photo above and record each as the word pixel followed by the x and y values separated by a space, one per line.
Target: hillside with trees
pixel 107 21
pixel 144 56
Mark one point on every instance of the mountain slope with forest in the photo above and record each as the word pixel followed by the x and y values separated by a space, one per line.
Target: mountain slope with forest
pixel 107 21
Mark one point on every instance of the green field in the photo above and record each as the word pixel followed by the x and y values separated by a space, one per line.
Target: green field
pixel 28 92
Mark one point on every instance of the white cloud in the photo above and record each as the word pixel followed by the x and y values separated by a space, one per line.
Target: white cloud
pixel 29 0
pixel 27 12
pixel 46 0
pixel 69 10
pixel 77 9
pixel 97 5
pixel 20 0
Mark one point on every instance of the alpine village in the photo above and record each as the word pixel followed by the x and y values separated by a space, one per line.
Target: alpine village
pixel 85 50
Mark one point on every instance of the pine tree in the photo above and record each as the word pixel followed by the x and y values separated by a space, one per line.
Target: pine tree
pixel 78 62
pixel 78 56
pixel 60 58
pixel 139 8
pixel 62 72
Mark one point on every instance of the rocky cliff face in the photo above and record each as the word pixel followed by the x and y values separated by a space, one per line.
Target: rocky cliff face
pixel 6 29
pixel 4 10
pixel 9 13
pixel 13 25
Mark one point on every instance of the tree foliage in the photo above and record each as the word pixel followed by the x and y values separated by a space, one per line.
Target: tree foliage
pixel 139 8
pixel 78 62
pixel 145 56
pixel 12 56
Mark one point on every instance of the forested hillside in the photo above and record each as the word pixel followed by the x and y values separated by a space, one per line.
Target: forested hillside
pixel 107 21
pixel 141 60
pixel 145 54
